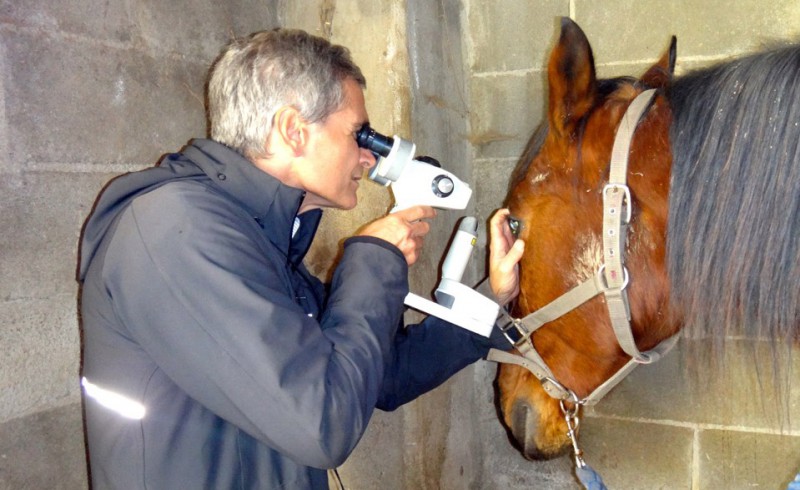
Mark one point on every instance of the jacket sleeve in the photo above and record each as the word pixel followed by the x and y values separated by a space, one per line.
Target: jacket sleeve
pixel 208 303
pixel 428 354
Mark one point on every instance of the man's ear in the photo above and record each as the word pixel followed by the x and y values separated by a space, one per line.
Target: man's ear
pixel 289 130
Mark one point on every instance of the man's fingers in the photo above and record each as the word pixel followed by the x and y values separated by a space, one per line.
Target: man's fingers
pixel 500 219
pixel 513 256
pixel 502 238
pixel 517 249
pixel 420 228
pixel 505 252
pixel 411 248
pixel 416 213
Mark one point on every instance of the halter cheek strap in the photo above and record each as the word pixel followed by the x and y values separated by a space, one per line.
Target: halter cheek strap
pixel 611 279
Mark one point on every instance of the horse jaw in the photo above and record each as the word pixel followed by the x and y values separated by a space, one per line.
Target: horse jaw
pixel 532 417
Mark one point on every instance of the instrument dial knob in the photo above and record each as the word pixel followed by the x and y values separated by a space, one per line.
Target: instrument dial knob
pixel 443 186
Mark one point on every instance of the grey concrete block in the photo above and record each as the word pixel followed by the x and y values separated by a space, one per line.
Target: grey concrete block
pixel 491 184
pixel 45 212
pixel 377 461
pixel 6 165
pixel 736 392
pixel 45 450
pixel 504 112
pixel 110 22
pixel 91 103
pixel 41 354
pixel 635 70
pixel 491 179
pixel 634 30
pixel 428 419
pixel 635 455
pixel 335 20
pixel 513 35
pixel 740 460
pixel 379 46
pixel 196 29
pixel 460 468
pixel 502 467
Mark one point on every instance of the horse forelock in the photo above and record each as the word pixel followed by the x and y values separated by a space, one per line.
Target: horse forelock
pixel 733 237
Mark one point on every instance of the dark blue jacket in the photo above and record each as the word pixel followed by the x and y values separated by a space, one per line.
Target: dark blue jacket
pixel 212 358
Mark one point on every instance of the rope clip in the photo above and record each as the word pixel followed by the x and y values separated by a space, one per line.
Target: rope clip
pixel 573 421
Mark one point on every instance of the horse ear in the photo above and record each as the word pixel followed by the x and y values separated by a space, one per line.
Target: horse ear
pixel 660 74
pixel 572 78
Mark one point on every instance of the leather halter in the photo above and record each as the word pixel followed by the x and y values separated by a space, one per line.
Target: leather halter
pixel 611 279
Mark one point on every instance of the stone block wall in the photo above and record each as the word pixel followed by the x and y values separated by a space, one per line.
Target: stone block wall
pixel 88 90
pixel 91 89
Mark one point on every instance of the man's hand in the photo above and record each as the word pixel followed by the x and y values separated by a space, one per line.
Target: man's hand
pixel 403 229
pixel 504 254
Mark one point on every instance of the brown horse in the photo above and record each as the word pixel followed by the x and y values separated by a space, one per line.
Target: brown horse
pixel 714 239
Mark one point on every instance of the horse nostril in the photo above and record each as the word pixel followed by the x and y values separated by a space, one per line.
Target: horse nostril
pixel 519 421
pixel 524 431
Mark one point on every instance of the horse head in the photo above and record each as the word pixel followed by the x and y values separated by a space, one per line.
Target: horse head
pixel 557 196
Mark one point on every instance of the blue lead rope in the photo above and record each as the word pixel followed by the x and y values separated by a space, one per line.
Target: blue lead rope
pixel 591 480
pixel 794 485
pixel 588 477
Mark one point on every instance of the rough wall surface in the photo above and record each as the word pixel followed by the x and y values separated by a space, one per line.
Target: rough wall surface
pixel 90 89
pixel 403 48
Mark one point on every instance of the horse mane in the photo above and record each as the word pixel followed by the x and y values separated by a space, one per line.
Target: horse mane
pixel 733 240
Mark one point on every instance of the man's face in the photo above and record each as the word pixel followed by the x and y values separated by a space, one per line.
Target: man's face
pixel 336 163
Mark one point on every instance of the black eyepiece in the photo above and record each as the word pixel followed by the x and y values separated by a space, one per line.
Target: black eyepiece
pixel 373 141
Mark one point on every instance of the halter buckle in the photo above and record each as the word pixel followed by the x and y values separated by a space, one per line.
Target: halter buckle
pixel 517 326
pixel 626 202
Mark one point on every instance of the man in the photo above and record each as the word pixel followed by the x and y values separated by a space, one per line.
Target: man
pixel 212 358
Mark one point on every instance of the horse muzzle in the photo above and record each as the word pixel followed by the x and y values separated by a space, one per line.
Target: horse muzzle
pixel 533 436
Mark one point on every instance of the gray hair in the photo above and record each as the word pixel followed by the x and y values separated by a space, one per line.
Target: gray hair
pixel 255 76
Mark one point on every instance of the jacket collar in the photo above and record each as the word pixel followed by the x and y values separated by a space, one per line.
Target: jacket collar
pixel 272 204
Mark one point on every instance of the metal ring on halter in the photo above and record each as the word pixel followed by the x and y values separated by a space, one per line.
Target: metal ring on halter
pixel 576 402
pixel 567 393
pixel 625 277
pixel 627 192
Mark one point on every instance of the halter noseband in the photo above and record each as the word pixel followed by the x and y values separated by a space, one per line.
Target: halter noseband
pixel 611 279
